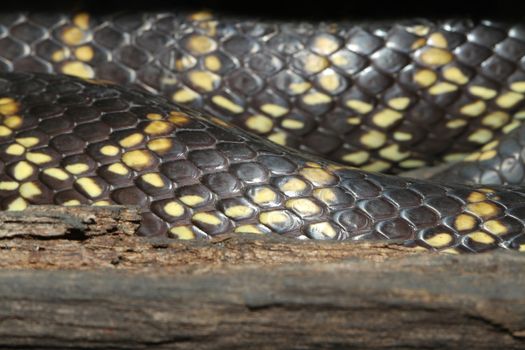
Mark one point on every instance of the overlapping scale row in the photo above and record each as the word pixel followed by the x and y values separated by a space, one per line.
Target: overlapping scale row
pixel 67 141
pixel 383 97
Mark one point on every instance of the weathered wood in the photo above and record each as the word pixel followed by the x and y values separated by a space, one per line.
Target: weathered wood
pixel 117 291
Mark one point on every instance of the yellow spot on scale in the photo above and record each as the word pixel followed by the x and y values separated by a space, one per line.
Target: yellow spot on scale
pixel 191 200
pixel 456 123
pixel 318 177
pixel 324 45
pixel 204 80
pixel 412 163
pixel 118 168
pixel 481 237
pixel 77 168
pixel 212 63
pixel 490 145
pixel 496 119
pixel 183 232
pixel 78 69
pixel 57 173
pixel 518 86
pixel 38 158
pixel 442 88
pixel 323 228
pixel 418 29
pixel 101 203
pixel 455 75
pixel 29 190
pixel 84 53
pixel 314 63
pixel 160 145
pixel 71 203
pixel 60 55
pixel 90 186
pixel 316 98
pixel 8 185
pixel 239 211
pixel 153 179
pixel 377 166
pixel 435 57
pixel 5 131
pixel 373 139
pixel 393 153
pixel 303 207
pixel 18 204
pixel 420 42
pixel 473 109
pixel 454 157
pixel 292 185
pixel 259 123
pixel 131 140
pixel 274 217
pixel 248 229
pixel 483 209
pixel 201 44
pixel 81 20
pixel 330 81
pixel 138 159
pixel 153 116
pixel 292 124
pixel 13 122
pixel 509 99
pixel 325 195
pixel 278 138
pixel 425 77
pixel 22 170
pixel 73 36
pixel 437 40
pixel 386 118
pixel 476 197
pixel 465 222
pixel 15 149
pixel 440 240
pixel 359 106
pixel 482 92
pixel 184 95
pixel 399 103
pixel 487 155
pixel 207 218
pixel 353 120
pixel 274 110
pixel 356 158
pixel 299 88
pixel 511 126
pixel 227 104
pixel 402 136
pixel 481 136
pixel 264 195
pixel 173 209
pixel 28 141
pixel 158 127
pixel 495 227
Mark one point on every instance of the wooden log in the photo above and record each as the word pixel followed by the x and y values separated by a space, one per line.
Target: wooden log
pixel 117 291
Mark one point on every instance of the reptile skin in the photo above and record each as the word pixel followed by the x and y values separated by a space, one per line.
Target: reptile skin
pixel 381 96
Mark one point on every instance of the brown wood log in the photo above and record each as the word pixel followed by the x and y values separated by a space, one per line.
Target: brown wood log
pixel 107 289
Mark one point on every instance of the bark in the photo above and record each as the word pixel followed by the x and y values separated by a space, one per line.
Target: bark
pixel 102 288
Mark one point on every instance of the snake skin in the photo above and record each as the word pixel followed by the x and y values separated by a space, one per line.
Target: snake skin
pixel 67 141
pixel 385 96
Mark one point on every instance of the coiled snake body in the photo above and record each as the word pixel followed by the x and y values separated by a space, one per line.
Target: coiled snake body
pixel 384 97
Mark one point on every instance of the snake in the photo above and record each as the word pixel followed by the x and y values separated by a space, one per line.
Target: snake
pixel 217 124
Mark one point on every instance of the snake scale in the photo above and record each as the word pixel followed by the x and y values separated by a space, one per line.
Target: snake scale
pixel 214 124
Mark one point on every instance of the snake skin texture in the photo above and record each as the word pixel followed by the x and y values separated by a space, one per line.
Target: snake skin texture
pixel 383 96
pixel 68 141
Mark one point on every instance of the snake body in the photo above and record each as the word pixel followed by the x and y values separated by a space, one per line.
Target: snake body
pixel 385 96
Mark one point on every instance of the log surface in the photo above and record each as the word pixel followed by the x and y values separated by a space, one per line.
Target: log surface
pixel 112 290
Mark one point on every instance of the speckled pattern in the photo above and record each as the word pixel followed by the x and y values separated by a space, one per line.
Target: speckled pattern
pixel 385 96
pixel 67 141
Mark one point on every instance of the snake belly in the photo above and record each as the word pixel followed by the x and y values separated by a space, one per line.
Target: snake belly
pixel 380 96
